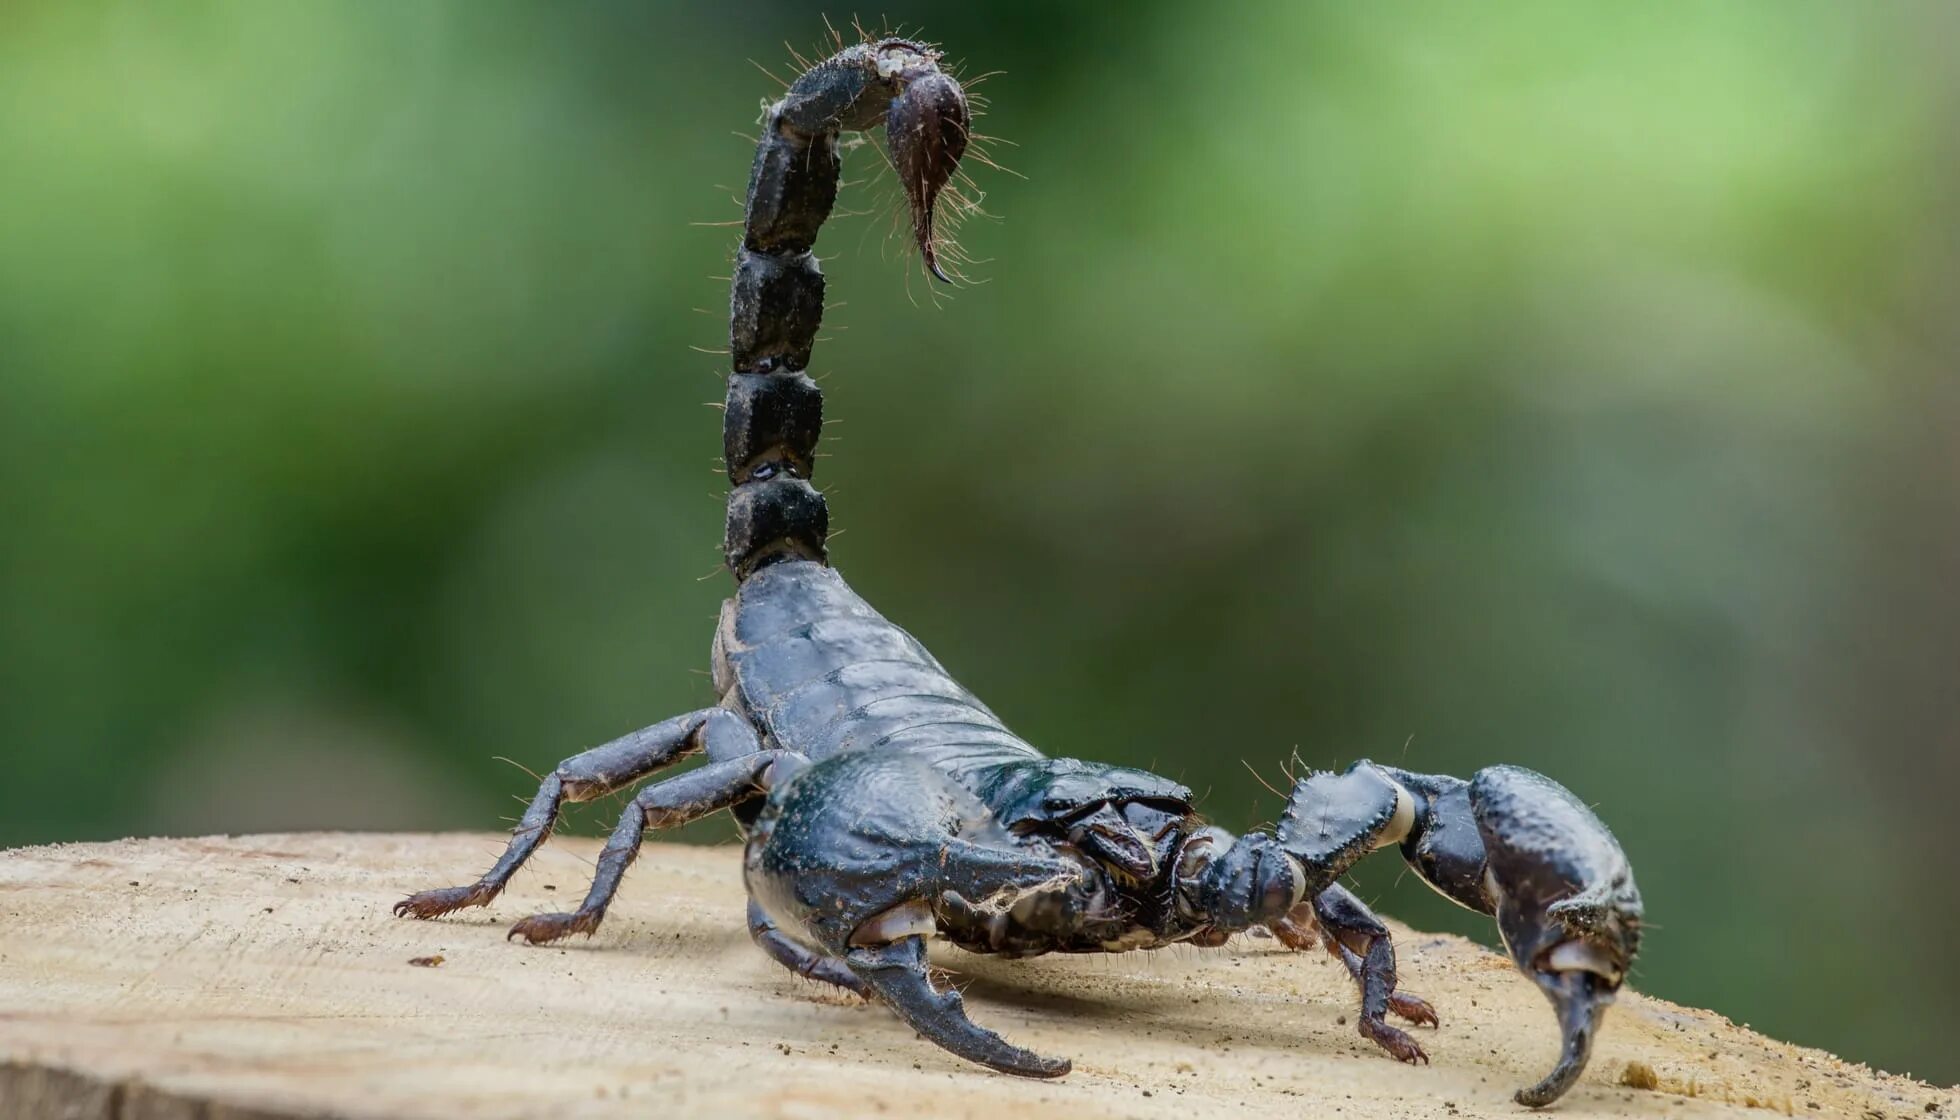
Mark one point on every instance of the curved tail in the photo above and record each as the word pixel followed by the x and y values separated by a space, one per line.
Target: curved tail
pixel 775 411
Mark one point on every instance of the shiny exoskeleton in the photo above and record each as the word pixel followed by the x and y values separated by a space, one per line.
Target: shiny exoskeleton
pixel 884 804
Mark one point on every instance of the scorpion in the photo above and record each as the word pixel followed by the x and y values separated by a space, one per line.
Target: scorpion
pixel 882 803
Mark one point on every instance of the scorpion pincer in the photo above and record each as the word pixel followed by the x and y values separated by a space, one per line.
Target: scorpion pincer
pixel 883 803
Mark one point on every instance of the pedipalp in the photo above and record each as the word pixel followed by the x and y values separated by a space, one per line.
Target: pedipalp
pixel 1510 843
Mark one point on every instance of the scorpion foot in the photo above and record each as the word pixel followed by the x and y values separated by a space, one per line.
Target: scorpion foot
pixel 1394 1040
pixel 1413 1008
pixel 436 903
pixel 539 929
pixel 1299 931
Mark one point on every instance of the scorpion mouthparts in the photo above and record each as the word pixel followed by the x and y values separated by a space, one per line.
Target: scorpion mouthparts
pixel 1110 840
pixel 926 128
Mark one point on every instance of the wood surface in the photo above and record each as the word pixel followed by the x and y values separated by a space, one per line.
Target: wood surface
pixel 242 978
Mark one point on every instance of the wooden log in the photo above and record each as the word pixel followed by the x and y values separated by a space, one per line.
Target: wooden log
pixel 258 977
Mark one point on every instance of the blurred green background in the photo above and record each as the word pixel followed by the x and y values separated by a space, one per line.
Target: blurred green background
pixel 1564 384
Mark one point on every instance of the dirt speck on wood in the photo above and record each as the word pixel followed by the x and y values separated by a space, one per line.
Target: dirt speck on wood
pixel 1640 1075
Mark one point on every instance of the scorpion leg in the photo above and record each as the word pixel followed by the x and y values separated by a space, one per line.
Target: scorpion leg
pixel 668 804
pixel 1299 930
pixel 582 777
pixel 898 973
pixel 796 958
pixel 1358 931
pixel 1263 880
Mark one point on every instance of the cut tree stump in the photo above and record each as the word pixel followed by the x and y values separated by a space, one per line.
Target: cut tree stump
pixel 263 976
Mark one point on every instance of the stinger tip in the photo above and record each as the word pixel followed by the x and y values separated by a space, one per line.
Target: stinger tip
pixel 926 128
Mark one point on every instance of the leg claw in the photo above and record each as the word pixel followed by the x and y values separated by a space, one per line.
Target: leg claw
pixel 1413 1008
pixel 1398 1044
pixel 541 928
pixel 436 903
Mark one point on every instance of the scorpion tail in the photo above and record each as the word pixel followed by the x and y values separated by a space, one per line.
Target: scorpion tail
pixel 775 411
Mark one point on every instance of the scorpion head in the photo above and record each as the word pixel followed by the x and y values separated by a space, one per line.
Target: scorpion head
pixel 1130 823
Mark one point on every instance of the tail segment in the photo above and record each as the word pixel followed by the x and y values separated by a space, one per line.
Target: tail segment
pixel 775 411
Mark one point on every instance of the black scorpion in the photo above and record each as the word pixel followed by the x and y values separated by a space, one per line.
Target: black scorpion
pixel 882 803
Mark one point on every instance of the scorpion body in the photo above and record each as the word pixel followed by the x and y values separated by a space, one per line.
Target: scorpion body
pixel 883 803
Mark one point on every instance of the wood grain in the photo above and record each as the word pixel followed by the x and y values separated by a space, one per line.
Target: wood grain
pixel 262 976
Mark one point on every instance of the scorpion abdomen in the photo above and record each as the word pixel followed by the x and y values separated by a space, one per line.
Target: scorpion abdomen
pixel 824 673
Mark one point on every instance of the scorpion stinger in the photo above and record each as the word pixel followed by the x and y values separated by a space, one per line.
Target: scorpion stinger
pixel 883 804
pixel 927 129
pixel 1509 842
pixel 894 82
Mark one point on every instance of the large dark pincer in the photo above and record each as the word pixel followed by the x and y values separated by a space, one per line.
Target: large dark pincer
pixel 1511 843
pixel 1566 905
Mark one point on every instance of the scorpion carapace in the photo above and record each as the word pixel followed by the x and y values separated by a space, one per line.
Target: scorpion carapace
pixel 882 803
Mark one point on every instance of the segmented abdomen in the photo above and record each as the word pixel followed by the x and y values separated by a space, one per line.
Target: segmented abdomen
pixel 822 672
